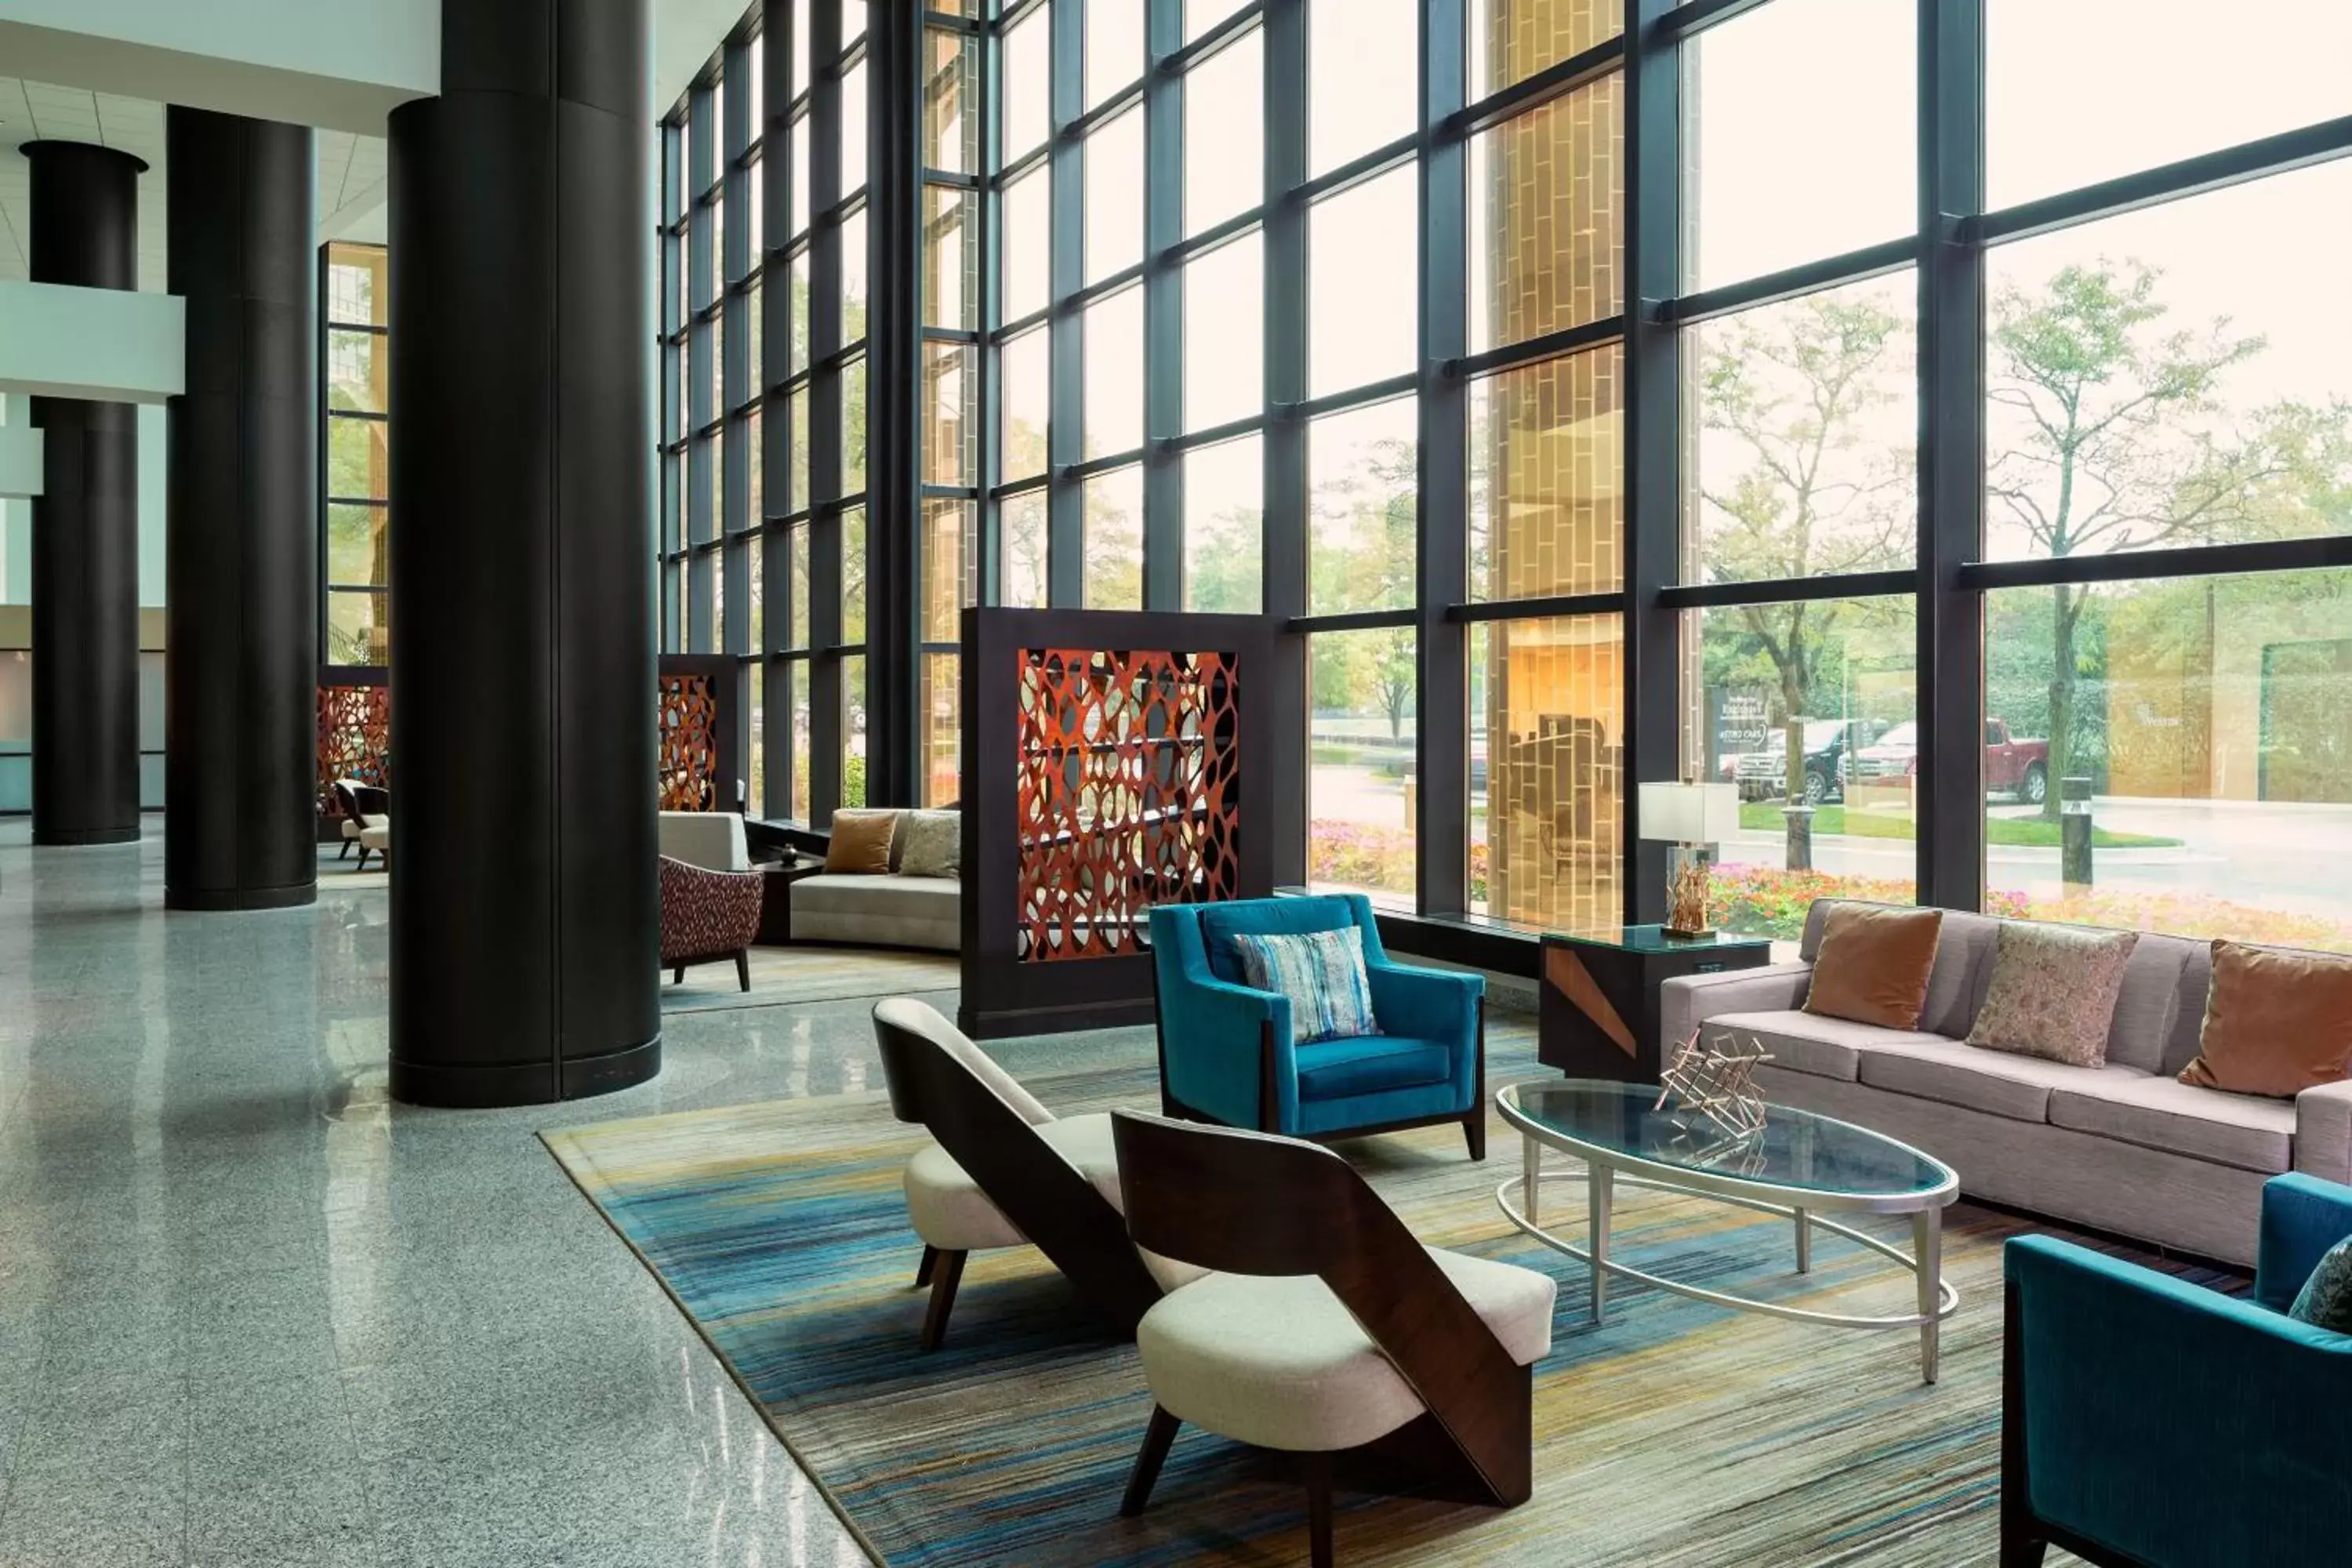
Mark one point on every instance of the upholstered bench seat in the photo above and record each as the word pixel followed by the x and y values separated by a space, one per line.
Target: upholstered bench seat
pixel 1275 1360
pixel 950 1211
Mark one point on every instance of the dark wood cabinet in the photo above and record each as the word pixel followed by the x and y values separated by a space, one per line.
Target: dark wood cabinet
pixel 1598 1015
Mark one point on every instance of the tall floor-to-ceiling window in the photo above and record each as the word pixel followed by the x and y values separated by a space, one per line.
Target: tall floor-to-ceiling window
pixel 356 428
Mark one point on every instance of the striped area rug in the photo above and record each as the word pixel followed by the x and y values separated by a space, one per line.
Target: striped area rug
pixel 788 975
pixel 1679 1433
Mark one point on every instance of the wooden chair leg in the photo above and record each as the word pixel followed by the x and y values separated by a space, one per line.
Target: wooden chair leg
pixel 944 1279
pixel 923 1269
pixel 743 967
pixel 1473 1131
pixel 345 852
pixel 1318 1510
pixel 1147 1460
pixel 678 976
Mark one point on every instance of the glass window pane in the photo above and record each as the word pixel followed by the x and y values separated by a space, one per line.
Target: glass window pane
pixel 1547 771
pixel 1833 678
pixel 358 291
pixel 852 576
pixel 1547 456
pixel 1547 231
pixel 1224 333
pixel 1114 540
pixel 1224 527
pixel 359 458
pixel 755 209
pixel 754 452
pixel 1509 42
pixel 1800 131
pixel 796 283
pixel 2144 391
pixel 853 121
pixel 1028 245
pixel 1362 716
pixel 2095 88
pixel 1363 520
pixel 853 731
pixel 357 544
pixel 1026 401
pixel 1363 308
pixel 359 628
pixel 852 278
pixel 951 567
pixel 853 22
pixel 755 342
pixel 757 710
pixel 1199 16
pixel 1114 47
pixel 1806 431
pixel 1114 377
pixel 755 619
pixel 796 410
pixel 950 433
pixel 1024 580
pixel 796 705
pixel 1363 75
pixel 717 250
pixel 800 180
pixel 1028 83
pixel 796 585
pixel 1114 171
pixel 801 45
pixel 950 126
pixel 941 698
pixel 852 426
pixel 1224 133
pixel 950 261
pixel 2212 720
pixel 714 516
pixel 358 368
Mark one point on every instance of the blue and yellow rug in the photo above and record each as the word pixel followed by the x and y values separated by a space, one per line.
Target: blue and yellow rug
pixel 1677 1434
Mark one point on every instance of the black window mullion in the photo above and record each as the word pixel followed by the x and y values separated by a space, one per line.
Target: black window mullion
pixel 1285 440
pixel 1065 432
pixel 827 719
pixel 774 195
pixel 1163 314
pixel 1442 731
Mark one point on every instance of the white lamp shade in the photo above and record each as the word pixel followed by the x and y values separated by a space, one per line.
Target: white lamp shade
pixel 1689 812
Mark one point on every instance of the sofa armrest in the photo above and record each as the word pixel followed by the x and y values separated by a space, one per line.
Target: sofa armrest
pixel 2302 1216
pixel 2323 1130
pixel 2128 1380
pixel 1690 1000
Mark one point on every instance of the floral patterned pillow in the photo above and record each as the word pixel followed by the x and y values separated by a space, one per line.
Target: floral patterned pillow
pixel 2054 992
pixel 2325 1300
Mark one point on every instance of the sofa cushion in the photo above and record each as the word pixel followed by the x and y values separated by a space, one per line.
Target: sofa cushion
pixel 2053 992
pixel 861 842
pixel 710 839
pixel 2325 1300
pixel 2201 1124
pixel 2188 1029
pixel 1321 972
pixel 2277 1021
pixel 1874 965
pixel 930 843
pixel 1802 1042
pixel 1220 923
pixel 2149 1002
pixel 1957 982
pixel 914 898
pixel 1367 1064
pixel 1992 1081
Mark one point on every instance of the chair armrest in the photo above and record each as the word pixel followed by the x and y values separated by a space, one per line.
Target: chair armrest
pixel 1213 1032
pixel 2301 1218
pixel 1690 1000
pixel 1427 1003
pixel 2323 1130
pixel 2129 1381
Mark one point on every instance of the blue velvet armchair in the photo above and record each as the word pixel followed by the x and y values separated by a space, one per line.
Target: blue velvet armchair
pixel 1226 1053
pixel 2147 1421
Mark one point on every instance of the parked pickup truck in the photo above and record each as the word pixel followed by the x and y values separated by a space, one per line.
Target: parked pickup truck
pixel 2020 768
pixel 1763 775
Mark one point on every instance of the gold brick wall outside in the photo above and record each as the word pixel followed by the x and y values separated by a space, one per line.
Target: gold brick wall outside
pixel 1551 496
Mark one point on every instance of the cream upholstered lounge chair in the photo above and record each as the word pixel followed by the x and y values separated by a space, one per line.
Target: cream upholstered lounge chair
pixel 1327 1327
pixel 1006 1171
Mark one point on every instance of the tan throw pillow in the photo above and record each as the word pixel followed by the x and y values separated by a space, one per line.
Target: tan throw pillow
pixel 1873 964
pixel 2276 1022
pixel 932 843
pixel 2054 992
pixel 861 843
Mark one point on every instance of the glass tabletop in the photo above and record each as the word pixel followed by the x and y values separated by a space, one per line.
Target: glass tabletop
pixel 1655 939
pixel 1793 1148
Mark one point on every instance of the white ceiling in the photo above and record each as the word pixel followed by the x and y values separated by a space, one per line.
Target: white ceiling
pixel 350 167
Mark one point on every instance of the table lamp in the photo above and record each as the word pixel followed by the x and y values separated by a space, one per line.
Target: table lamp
pixel 1693 818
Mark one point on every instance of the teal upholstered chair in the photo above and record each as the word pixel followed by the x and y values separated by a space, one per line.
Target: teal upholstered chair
pixel 2147 1421
pixel 1225 1051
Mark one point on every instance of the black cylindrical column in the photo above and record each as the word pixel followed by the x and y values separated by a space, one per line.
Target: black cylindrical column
pixel 240 823
pixel 524 913
pixel 85 215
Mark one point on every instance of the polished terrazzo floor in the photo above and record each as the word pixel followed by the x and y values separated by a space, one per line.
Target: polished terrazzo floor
pixel 251 1313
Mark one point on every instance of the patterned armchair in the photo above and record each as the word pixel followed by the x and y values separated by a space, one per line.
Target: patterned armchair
pixel 706 916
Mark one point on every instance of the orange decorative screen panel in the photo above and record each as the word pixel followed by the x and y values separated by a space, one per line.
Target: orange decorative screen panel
pixel 690 744
pixel 1127 794
pixel 354 737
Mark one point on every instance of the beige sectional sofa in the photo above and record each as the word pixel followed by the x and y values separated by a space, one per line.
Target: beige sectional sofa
pixel 2122 1147
pixel 893 911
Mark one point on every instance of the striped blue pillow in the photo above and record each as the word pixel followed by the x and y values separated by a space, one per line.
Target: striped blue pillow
pixel 1322 973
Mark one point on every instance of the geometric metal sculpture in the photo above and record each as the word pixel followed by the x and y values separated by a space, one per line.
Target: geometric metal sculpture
pixel 1716 1083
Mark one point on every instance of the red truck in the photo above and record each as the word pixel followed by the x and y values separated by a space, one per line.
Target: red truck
pixel 2020 768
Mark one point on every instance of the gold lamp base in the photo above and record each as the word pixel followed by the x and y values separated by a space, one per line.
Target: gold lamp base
pixel 1686 885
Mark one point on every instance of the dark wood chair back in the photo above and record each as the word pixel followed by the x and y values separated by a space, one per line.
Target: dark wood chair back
pixel 1250 1202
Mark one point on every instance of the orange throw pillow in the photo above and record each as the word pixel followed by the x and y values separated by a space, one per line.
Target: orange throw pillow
pixel 2276 1022
pixel 1873 964
pixel 861 843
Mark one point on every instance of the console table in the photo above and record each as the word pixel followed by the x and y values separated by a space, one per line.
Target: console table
pixel 1598 1014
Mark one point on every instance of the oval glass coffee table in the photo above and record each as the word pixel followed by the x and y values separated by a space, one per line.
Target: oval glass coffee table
pixel 1797 1164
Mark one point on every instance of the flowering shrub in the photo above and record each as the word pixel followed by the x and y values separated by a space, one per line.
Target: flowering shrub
pixel 1357 855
